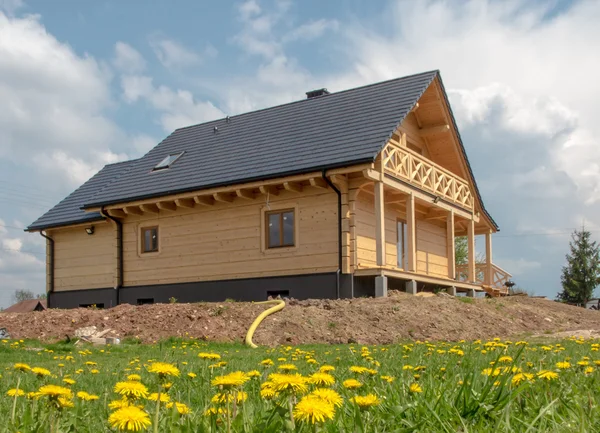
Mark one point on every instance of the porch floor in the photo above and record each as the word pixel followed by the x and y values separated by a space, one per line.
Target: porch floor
pixel 461 286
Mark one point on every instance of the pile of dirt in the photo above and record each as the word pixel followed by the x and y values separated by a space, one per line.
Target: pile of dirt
pixel 363 321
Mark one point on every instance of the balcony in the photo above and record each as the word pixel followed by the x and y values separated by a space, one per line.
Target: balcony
pixel 496 282
pixel 408 166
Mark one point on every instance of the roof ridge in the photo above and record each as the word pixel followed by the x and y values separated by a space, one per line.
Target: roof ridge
pixel 436 71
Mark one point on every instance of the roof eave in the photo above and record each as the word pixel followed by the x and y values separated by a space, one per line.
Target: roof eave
pixel 39 228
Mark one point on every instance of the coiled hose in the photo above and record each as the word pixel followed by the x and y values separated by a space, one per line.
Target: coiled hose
pixel 280 305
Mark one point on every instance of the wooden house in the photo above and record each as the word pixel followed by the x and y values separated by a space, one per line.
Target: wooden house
pixel 337 195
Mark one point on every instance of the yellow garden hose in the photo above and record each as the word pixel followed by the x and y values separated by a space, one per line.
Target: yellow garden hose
pixel 261 317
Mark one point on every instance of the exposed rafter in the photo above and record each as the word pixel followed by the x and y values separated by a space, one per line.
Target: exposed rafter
pixel 149 208
pixel 245 193
pixel 132 210
pixel 185 202
pixel 293 186
pixel 223 197
pixel 268 189
pixel 318 182
pixel 204 200
pixel 117 213
pixel 166 205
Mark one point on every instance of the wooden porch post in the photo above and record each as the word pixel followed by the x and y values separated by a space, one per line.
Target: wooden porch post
pixel 379 224
pixel 450 245
pixel 471 248
pixel 411 229
pixel 488 259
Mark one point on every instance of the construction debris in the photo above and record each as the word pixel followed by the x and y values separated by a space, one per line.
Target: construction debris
pixel 90 334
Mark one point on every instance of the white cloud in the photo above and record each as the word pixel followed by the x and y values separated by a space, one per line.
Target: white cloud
pixel 11 6
pixel 142 143
pixel 173 55
pixel 128 59
pixel 311 30
pixel 178 107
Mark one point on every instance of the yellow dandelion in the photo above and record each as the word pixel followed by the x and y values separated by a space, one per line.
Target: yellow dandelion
pixel 321 379
pixel 329 395
pixel 352 384
pixel 358 370
pixel 547 374
pixel 563 365
pixel 134 378
pixel 40 372
pixel 267 362
pixel 131 389
pixel 287 367
pixel 192 375
pixel 505 359
pixel 21 367
pixel 164 398
pixel 15 392
pixel 130 418
pixel 313 410
pixel 223 398
pixel 54 391
pixel 231 380
pixel 163 369
pixel 415 388
pixel 118 404
pixel 366 401
pixel 68 381
pixel 212 411
pixel 326 368
pixel 288 383
pixel 521 377
pixel 86 396
pixel 253 373
pixel 181 408
pixel 588 370
pixel 388 379
pixel 267 392
pixel 209 356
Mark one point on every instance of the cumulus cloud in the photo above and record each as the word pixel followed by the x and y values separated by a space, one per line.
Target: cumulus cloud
pixel 173 55
pixel 128 59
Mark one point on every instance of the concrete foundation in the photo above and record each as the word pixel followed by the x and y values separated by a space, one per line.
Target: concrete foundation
pixel 451 291
pixel 411 287
pixel 471 293
pixel 381 287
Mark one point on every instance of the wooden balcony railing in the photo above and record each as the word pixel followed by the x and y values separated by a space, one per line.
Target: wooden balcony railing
pixel 499 276
pixel 409 166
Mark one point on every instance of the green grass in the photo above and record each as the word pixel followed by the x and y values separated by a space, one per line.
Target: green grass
pixel 455 395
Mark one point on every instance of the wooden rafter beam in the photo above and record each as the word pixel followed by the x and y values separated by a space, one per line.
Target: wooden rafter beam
pixel 245 193
pixel 395 198
pixel 437 129
pixel 133 210
pixel 204 200
pixel 166 205
pixel 318 182
pixel 149 208
pixel 185 202
pixel 268 190
pixel 117 213
pixel 222 197
pixel 435 214
pixel 292 186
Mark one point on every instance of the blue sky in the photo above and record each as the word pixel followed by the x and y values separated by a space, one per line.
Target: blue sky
pixel 83 84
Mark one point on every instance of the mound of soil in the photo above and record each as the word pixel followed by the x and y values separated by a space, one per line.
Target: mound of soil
pixel 363 321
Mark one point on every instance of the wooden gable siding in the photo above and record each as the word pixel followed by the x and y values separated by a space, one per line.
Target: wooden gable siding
pixel 84 261
pixel 432 256
pixel 224 241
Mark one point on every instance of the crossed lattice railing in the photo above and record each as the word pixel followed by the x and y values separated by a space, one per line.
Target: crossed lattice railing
pixel 407 165
pixel 499 275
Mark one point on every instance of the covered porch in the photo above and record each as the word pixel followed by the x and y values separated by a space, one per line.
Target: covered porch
pixel 432 207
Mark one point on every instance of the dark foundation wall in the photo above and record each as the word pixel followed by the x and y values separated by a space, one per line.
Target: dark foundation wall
pixel 313 286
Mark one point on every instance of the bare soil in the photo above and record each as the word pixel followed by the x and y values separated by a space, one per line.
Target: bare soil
pixel 363 321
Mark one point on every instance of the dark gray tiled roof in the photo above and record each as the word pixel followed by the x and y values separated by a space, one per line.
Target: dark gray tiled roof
pixel 334 130
pixel 69 211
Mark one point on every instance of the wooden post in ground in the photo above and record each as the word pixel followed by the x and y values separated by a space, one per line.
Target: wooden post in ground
pixel 411 229
pixel 379 224
pixel 450 245
pixel 471 249
pixel 488 259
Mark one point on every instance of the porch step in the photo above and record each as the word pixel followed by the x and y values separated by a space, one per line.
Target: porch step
pixel 493 292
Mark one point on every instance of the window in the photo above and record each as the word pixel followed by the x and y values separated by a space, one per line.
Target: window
pixel 402 244
pixel 280 229
pixel 149 239
pixel 168 161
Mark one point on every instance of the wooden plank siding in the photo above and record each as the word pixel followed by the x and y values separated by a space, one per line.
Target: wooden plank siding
pixel 432 254
pixel 224 241
pixel 83 261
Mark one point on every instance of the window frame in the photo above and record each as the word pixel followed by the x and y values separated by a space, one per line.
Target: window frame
pixel 143 231
pixel 159 167
pixel 281 212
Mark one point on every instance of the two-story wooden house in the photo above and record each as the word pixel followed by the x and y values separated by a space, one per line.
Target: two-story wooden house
pixel 337 195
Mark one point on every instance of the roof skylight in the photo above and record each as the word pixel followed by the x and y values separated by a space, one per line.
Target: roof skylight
pixel 168 161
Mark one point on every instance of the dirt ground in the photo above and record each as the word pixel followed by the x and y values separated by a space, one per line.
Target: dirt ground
pixel 363 321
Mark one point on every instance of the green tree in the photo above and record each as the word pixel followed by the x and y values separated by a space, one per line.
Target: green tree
pixel 461 250
pixel 581 275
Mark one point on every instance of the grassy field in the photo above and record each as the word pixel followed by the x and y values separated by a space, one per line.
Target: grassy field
pixel 192 386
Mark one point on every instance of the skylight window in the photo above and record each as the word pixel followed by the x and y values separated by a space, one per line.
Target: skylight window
pixel 168 161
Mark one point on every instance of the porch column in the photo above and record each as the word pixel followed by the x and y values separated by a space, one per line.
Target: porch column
pixel 488 259
pixel 379 224
pixel 471 248
pixel 412 236
pixel 450 245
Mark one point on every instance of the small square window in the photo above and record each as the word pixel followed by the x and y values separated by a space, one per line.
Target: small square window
pixel 280 229
pixel 168 161
pixel 149 239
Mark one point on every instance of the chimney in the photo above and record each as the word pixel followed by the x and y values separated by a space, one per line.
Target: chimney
pixel 316 93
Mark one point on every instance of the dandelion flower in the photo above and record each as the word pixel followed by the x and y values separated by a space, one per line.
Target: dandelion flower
pixel 134 378
pixel 547 374
pixel 15 392
pixel 164 398
pixel 163 369
pixel 69 381
pixel 222 398
pixel 267 392
pixel 212 411
pixel 118 404
pixel 287 367
pixel 231 380
pixel 86 396
pixel 366 401
pixel 313 410
pixel 521 377
pixel 294 383
pixel 563 365
pixel 182 409
pixel 352 384
pixel 321 379
pixel 40 372
pixel 329 395
pixel 588 370
pixel 210 356
pixel 54 391
pixel 266 362
pixel 130 418
pixel 358 370
pixel 21 367
pixel 505 359
pixel 415 388
pixel 388 379
pixel 192 375
pixel 253 373
pixel 131 390
pixel 326 368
